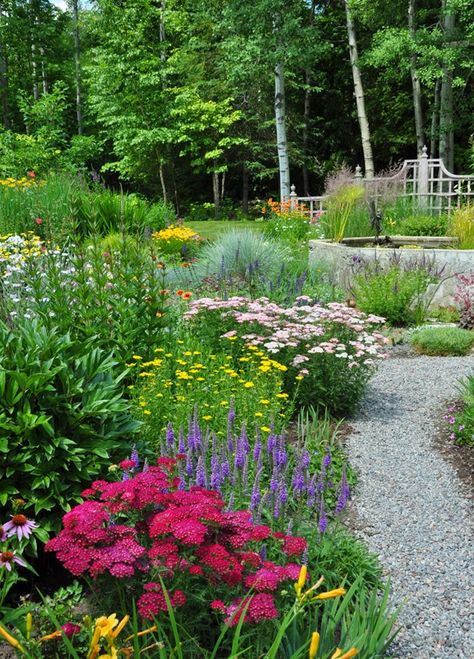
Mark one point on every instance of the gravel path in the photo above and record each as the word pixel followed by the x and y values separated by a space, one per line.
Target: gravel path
pixel 410 507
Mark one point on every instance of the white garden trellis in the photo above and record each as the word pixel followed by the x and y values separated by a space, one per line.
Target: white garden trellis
pixel 425 182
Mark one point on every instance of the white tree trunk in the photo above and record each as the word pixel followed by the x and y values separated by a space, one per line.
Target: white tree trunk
pixel 446 127
pixel 282 142
pixel 77 63
pixel 359 95
pixel 415 81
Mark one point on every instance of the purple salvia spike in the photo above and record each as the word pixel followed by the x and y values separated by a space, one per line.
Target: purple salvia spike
pixel 311 491
pixel 276 508
pixel 225 469
pixel 239 460
pixel 189 463
pixel 298 481
pixel 231 414
pixel 323 520
pixel 257 448
pixel 305 459
pixel 145 465
pixel 134 457
pixel 245 475
pixel 244 440
pixel 126 475
pixel 274 481
pixel 181 444
pixel 201 480
pixel 170 435
pixel 283 493
pixel 263 552
pixel 271 443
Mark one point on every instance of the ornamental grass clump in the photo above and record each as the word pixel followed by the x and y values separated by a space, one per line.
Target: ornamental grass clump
pixel 330 351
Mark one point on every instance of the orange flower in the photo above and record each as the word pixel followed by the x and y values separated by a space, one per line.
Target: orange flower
pixel 165 291
pixel 186 295
pixel 180 292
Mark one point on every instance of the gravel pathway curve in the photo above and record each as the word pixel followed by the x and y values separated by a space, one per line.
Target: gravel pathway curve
pixel 410 507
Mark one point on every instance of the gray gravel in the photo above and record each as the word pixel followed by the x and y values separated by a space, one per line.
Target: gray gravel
pixel 410 508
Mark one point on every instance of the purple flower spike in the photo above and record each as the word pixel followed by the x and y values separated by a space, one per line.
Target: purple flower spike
pixel 327 460
pixel 305 459
pixel 189 463
pixel 231 414
pixel 170 435
pixel 298 481
pixel 201 479
pixel 323 520
pixel 274 481
pixel 135 458
pixel 181 444
pixel 271 443
pixel 244 440
pixel 257 449
pixel 283 493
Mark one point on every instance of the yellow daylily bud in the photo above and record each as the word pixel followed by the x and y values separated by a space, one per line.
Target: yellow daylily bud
pixel 302 578
pixel 350 653
pixel 49 637
pixel 11 640
pixel 337 592
pixel 145 631
pixel 313 648
pixel 337 654
pixel 28 625
pixel 120 626
pixel 93 654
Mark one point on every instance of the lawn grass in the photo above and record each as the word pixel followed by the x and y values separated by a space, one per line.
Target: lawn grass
pixel 212 229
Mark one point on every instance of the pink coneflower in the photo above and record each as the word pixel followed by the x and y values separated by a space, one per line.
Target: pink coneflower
pixel 20 526
pixel 3 534
pixel 7 558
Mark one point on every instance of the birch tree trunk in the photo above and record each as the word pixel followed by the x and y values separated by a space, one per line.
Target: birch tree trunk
pixel 34 63
pixel 282 142
pixel 446 128
pixel 215 193
pixel 4 85
pixel 415 81
pixel 77 63
pixel 306 114
pixel 435 120
pixel 359 94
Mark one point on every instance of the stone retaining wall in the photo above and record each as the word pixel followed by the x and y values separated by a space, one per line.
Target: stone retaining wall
pixel 339 259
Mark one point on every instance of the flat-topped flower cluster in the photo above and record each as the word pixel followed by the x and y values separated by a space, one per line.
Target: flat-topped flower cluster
pixel 333 347
pixel 145 529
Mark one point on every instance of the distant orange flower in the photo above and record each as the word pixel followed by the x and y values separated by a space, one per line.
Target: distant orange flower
pixel 180 292
pixel 186 295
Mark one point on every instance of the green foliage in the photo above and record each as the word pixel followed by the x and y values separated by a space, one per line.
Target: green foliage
pixel 461 225
pixel 465 419
pixel 395 293
pixel 118 298
pixel 339 555
pixel 292 227
pixel 62 417
pixel 48 200
pixel 103 212
pixel 443 341
pixel 424 225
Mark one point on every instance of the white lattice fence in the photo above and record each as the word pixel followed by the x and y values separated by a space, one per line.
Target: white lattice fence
pixel 425 182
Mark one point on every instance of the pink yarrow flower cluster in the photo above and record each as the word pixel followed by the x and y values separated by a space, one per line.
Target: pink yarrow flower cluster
pixel 146 526
pixel 304 329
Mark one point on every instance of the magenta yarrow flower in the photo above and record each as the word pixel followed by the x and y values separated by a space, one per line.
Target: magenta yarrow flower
pixel 8 558
pixel 20 526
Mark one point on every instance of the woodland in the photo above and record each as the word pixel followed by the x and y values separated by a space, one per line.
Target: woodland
pixel 224 99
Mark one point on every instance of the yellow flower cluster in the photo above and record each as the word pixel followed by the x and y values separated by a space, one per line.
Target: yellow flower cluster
pixel 20 246
pixel 171 385
pixel 18 183
pixel 175 233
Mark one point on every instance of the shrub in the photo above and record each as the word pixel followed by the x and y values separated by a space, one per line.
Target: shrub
pixel 460 415
pixel 461 225
pixel 103 212
pixel 117 297
pixel 62 416
pixel 424 225
pixel 330 352
pixel 177 241
pixel 396 292
pixel 246 254
pixel 464 298
pixel 443 341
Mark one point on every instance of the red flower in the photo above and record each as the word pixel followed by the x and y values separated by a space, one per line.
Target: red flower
pixel 294 546
pixel 218 605
pixel 126 464
pixel 38 221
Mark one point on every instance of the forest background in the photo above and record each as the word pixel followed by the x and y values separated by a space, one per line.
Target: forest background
pixel 215 100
